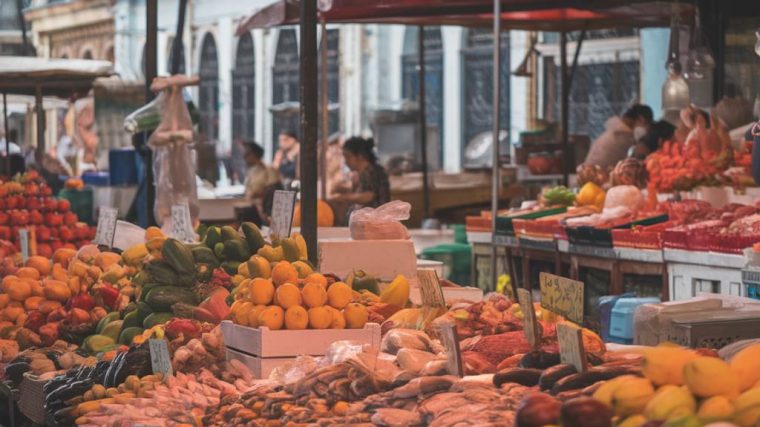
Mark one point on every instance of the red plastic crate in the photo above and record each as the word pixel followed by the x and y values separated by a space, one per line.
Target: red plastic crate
pixel 690 237
pixel 732 243
pixel 647 237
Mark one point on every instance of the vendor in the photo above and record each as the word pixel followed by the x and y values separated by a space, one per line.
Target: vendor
pixel 259 178
pixel 658 133
pixel 371 188
pixel 620 134
pixel 286 158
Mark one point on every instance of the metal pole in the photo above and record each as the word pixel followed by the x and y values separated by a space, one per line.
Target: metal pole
pixel 309 117
pixel 564 105
pixel 7 135
pixel 495 179
pixel 24 40
pixel 423 120
pixel 40 121
pixel 177 43
pixel 324 101
pixel 151 70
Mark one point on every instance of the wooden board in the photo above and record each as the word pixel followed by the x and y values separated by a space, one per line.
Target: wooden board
pixel 562 296
pixel 571 351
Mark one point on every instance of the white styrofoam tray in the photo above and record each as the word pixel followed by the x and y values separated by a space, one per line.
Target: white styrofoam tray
pixel 266 343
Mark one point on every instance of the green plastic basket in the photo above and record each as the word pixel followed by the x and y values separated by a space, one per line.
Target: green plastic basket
pixel 82 202
pixel 456 258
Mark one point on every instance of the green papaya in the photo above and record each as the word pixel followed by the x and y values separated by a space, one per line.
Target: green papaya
pixel 213 236
pixel 128 334
pixel 253 236
pixel 143 311
pixel 161 298
pixel 95 344
pixel 236 250
pixel 112 330
pixel 231 267
pixel 108 318
pixel 160 271
pixel 290 250
pixel 365 281
pixel 157 319
pixel 204 255
pixel 219 251
pixel 131 320
pixel 179 256
pixel 228 232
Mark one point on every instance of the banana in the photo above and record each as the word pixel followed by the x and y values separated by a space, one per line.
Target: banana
pixel 633 397
pixel 605 391
pixel 747 408
pixel 670 402
pixel 397 293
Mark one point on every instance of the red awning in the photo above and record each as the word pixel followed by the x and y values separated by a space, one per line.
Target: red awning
pixel 550 15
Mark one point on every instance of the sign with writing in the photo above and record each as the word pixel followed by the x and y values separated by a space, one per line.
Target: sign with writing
pixel 104 234
pixel 530 324
pixel 160 359
pixel 562 296
pixel 571 351
pixel 431 293
pixel 182 223
pixel 23 238
pixel 450 341
pixel 282 214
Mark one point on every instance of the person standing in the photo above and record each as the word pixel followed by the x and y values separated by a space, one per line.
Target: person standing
pixel 286 158
pixel 258 179
pixel 372 188
pixel 620 134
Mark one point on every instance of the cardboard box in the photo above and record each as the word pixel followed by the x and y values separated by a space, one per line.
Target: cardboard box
pixel 384 259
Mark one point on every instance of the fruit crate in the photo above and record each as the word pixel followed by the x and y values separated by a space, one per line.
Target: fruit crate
pixel 31 398
pixel 586 235
pixel 714 330
pixel 690 237
pixel 504 225
pixel 645 237
pixel 533 229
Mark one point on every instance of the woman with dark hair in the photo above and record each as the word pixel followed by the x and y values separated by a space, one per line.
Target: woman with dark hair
pixel 286 158
pixel 657 134
pixel 372 188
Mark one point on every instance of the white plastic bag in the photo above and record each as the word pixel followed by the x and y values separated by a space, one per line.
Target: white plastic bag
pixel 173 165
pixel 381 223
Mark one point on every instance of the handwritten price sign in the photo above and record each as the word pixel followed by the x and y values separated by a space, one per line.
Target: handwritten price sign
pixel 562 296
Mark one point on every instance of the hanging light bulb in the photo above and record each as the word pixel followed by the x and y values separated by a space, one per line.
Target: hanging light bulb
pixel 675 91
pixel 699 62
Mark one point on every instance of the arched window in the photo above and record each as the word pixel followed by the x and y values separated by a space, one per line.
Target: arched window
pixel 243 94
pixel 477 86
pixel 285 82
pixel 87 54
pixel 209 89
pixel 433 82
pixel 181 69
pixel 333 81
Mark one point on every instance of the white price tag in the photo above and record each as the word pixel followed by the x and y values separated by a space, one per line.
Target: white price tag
pixel 450 341
pixel 282 213
pixel 571 351
pixel 160 359
pixel 23 238
pixel 182 223
pixel 104 234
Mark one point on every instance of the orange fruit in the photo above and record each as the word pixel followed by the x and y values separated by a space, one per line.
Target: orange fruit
pixel 314 295
pixel 288 295
pixel 272 317
pixel 356 315
pixel 339 295
pixel 338 321
pixel 320 318
pixel 253 315
pixel 316 278
pixel 296 318
pixel 262 291
pixel 283 273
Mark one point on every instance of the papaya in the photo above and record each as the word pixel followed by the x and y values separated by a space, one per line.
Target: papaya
pixel 258 266
pixel 96 343
pixel 236 250
pixel 131 320
pixel 231 267
pixel 161 298
pixel 160 271
pixel 112 329
pixel 178 256
pixel 253 236
pixel 213 236
pixel 143 311
pixel 108 318
pixel 156 319
pixel 219 251
pixel 290 250
pixel 204 255
pixel 128 334
pixel 229 233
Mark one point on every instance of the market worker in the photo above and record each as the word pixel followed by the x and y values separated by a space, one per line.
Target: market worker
pixel 372 188
pixel 258 179
pixel 658 133
pixel 286 158
pixel 620 134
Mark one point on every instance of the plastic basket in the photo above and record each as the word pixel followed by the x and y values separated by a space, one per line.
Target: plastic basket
pixel 646 237
pixel 690 237
pixel 82 202
pixel 698 332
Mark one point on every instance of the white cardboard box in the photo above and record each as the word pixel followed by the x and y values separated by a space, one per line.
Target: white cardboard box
pixel 384 259
pixel 266 343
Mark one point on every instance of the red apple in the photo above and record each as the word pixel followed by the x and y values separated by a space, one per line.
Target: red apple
pixel 44 250
pixel 46 191
pixel 12 202
pixel 4 218
pixel 66 234
pixel 43 233
pixel 5 232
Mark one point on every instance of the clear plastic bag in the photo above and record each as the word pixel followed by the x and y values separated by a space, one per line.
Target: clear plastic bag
pixel 381 223
pixel 340 351
pixel 173 164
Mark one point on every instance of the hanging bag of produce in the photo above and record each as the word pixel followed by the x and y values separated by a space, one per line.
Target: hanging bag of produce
pixel 173 164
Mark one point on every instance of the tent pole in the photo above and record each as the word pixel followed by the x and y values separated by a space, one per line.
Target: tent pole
pixel 325 113
pixel 564 105
pixel 309 114
pixel 495 179
pixel 178 34
pixel 40 121
pixel 7 135
pixel 423 120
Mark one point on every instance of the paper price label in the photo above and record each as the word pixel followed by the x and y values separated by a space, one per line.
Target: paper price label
pixel 450 341
pixel 283 206
pixel 571 351
pixel 530 324
pixel 182 223
pixel 160 359
pixel 430 289
pixel 104 234
pixel 23 238
pixel 562 296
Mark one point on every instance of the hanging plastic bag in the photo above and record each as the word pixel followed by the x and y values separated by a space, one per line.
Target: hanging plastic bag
pixel 381 223
pixel 173 164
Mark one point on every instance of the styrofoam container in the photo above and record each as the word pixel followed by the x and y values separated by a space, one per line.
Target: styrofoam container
pixel 261 367
pixel 384 259
pixel 266 343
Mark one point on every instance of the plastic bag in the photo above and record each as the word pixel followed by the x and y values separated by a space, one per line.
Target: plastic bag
pixel 292 372
pixel 340 351
pixel 173 165
pixel 381 223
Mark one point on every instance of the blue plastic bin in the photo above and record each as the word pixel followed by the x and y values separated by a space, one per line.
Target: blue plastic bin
pixel 606 304
pixel 122 164
pixel 621 321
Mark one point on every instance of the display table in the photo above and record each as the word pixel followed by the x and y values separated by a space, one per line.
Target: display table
pixel 691 273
